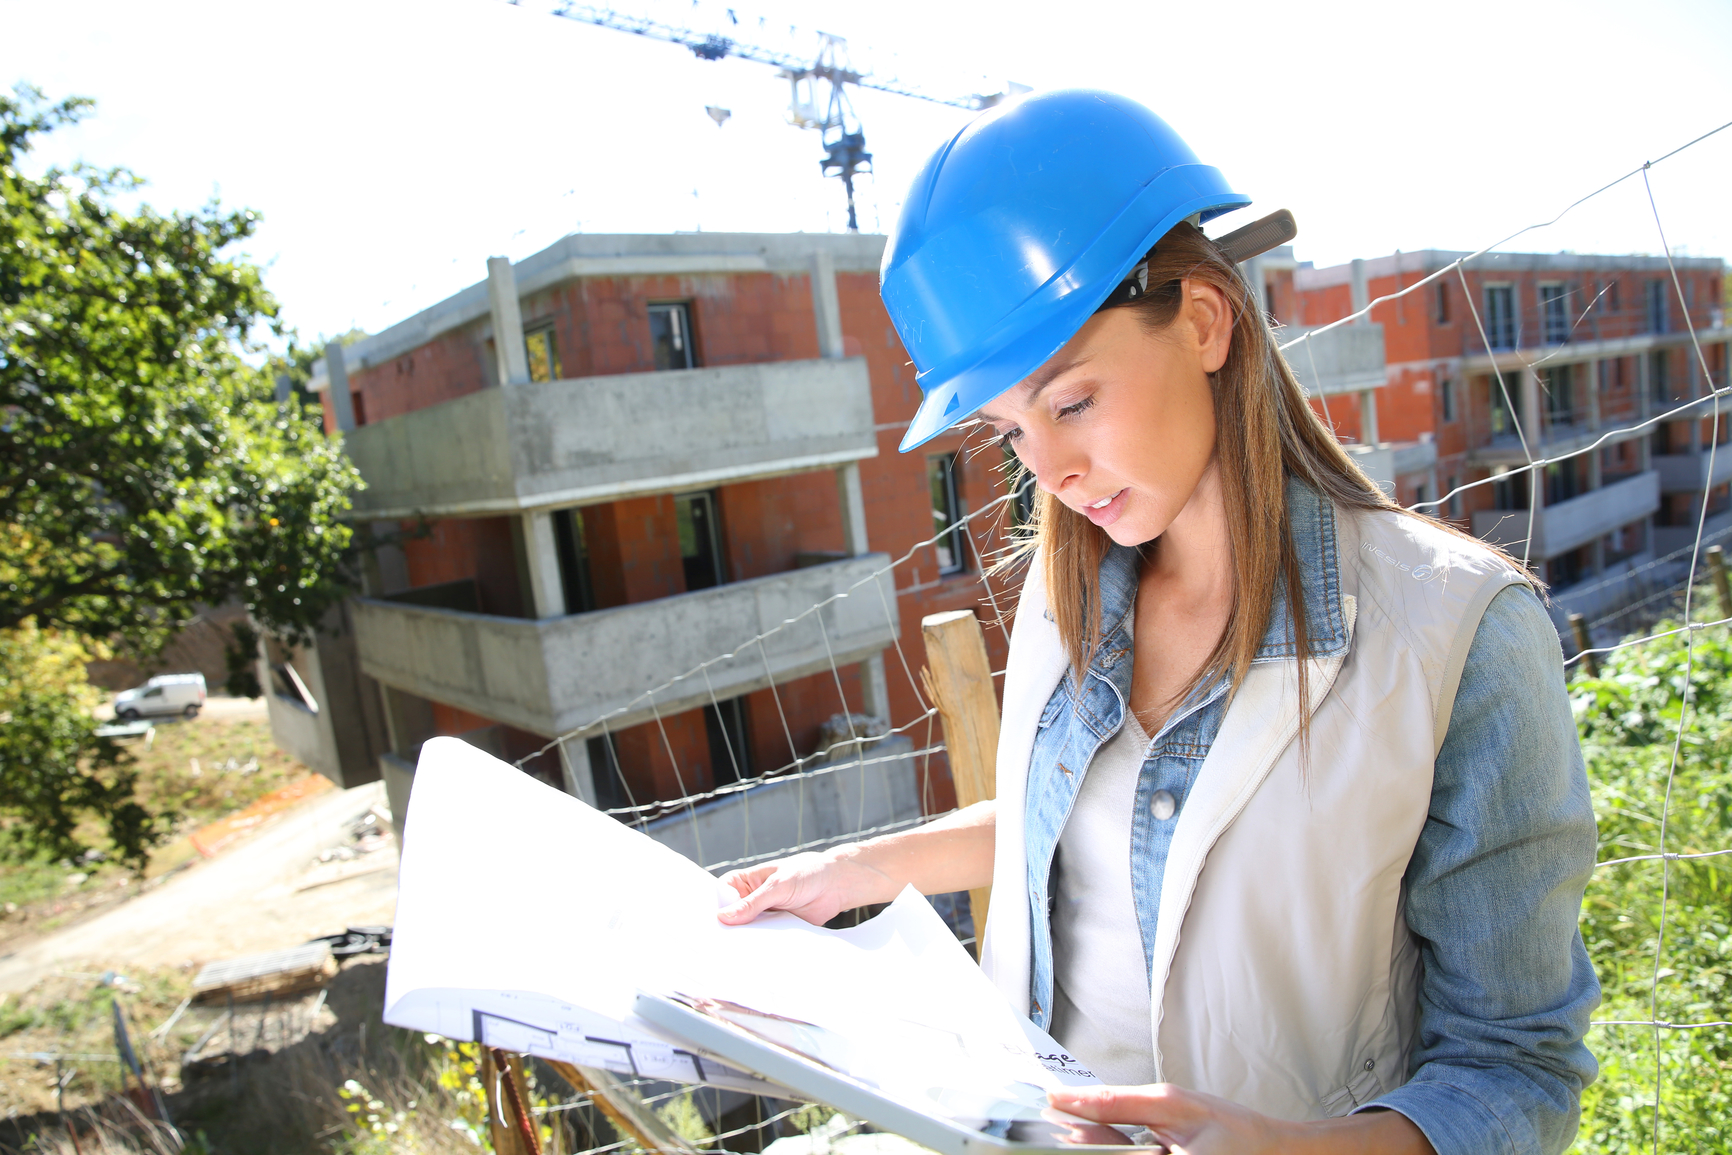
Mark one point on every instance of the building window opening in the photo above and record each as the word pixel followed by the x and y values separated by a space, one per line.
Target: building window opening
pixel 572 546
pixel 700 540
pixel 1560 389
pixel 1657 371
pixel 1269 302
pixel 1441 310
pixel 1614 301
pixel 611 791
pixel 1453 502
pixel 1657 306
pixel 671 336
pixel 1446 393
pixel 1500 318
pixel 1554 301
pixel 725 725
pixel 946 513
pixel 1565 479
pixel 1566 569
pixel 1510 490
pixel 543 350
pixel 1506 408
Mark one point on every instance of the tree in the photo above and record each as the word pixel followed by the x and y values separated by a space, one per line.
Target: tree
pixel 145 468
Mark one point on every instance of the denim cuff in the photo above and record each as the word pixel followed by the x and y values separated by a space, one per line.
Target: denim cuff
pixel 1463 1112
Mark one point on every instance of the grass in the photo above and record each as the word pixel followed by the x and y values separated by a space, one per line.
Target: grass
pixel 197 771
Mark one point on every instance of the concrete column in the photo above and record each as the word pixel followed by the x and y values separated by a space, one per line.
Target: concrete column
pixel 826 306
pixel 1252 271
pixel 853 501
pixel 1368 417
pixel 1360 289
pixel 1596 377
pixel 1532 423
pixel 342 405
pixel 574 766
pixel 541 551
pixel 1644 386
pixel 508 347
pixel 875 687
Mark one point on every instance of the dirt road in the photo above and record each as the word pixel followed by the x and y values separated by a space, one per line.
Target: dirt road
pixel 255 897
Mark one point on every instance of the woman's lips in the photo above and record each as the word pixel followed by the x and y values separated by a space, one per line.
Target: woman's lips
pixel 1105 515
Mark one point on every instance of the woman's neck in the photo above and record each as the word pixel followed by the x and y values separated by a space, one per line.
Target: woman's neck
pixel 1192 564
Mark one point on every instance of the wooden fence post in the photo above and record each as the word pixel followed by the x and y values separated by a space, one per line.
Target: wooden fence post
pixel 510 1122
pixel 1717 566
pixel 959 678
pixel 1584 643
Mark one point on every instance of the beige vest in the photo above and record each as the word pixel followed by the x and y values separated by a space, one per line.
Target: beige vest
pixel 1284 976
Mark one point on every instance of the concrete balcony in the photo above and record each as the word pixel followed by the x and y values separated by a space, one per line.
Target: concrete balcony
pixel 594 439
pixel 1689 473
pixel 1344 360
pixel 826 803
pixel 555 674
pixel 1387 460
pixel 1568 524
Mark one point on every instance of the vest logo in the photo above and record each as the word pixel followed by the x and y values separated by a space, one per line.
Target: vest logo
pixel 1419 573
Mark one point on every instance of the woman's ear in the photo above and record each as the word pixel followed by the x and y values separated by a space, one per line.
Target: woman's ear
pixel 1211 321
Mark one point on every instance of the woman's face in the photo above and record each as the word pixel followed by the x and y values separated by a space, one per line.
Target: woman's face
pixel 1120 423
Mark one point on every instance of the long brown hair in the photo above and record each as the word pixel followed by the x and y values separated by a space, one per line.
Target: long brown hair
pixel 1265 433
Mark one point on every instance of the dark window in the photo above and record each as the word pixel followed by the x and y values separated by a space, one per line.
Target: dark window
pixel 1442 303
pixel 1560 389
pixel 1454 500
pixel 946 512
pixel 1421 495
pixel 1269 302
pixel 1565 480
pixel 700 541
pixel 573 548
pixel 1554 300
pixel 671 336
pixel 543 354
pixel 1660 387
pixel 358 407
pixel 1656 306
pixel 1505 403
pixel 1565 570
pixel 611 792
pixel 1500 318
pixel 1510 491
pixel 1446 393
pixel 1614 303
pixel 725 725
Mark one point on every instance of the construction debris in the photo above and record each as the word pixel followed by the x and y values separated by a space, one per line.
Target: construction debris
pixel 274 973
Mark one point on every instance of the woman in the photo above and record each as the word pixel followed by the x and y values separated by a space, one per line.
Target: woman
pixel 1292 828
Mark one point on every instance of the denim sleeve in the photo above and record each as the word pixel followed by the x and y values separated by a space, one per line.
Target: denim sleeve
pixel 1494 891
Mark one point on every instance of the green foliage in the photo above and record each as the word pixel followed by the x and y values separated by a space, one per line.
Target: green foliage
pixel 144 467
pixel 54 770
pixel 1628 718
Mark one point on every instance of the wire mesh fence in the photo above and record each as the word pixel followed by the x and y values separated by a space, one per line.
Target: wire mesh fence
pixel 1656 916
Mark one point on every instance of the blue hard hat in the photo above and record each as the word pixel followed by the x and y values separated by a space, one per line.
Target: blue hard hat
pixel 1018 229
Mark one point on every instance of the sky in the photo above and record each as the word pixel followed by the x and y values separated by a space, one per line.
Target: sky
pixel 391 146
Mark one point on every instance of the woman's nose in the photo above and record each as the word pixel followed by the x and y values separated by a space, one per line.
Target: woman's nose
pixel 1052 465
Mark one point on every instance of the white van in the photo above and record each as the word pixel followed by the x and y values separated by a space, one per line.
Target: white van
pixel 165 694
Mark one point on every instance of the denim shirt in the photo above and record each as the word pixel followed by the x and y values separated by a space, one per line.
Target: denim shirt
pixel 1495 883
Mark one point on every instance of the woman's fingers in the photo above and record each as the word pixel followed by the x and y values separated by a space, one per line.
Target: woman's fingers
pixel 757 895
pixel 1158 1103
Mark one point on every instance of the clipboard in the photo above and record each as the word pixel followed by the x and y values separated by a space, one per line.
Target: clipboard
pixel 1017 1129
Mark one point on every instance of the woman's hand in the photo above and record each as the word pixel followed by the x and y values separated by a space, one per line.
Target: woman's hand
pixel 1191 1123
pixel 817 887
pixel 951 853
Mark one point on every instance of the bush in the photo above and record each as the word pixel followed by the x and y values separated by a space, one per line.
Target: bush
pixel 1629 719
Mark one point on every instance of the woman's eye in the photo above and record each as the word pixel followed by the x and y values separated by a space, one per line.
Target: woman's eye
pixel 1009 437
pixel 1073 409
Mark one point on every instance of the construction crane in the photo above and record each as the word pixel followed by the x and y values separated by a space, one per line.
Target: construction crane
pixel 818 89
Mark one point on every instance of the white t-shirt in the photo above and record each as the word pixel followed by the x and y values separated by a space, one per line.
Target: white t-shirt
pixel 1100 1005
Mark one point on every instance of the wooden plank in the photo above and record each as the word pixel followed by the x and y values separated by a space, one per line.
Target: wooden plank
pixel 958 675
pixel 277 972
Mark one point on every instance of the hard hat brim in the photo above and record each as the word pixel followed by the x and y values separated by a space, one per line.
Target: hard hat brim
pixel 1040 326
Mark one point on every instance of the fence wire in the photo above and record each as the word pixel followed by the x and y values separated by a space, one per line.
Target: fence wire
pixel 875 753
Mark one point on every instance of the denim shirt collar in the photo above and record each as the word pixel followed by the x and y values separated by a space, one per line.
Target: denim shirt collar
pixel 1314 542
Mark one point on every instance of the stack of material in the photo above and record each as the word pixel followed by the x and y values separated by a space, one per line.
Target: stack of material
pixel 274 974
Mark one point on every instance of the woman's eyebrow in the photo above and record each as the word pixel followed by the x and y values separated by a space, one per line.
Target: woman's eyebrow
pixel 1041 377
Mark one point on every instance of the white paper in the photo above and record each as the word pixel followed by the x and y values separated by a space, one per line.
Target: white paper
pixel 527 914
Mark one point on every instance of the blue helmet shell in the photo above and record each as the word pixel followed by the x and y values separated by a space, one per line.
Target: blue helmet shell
pixel 1016 231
